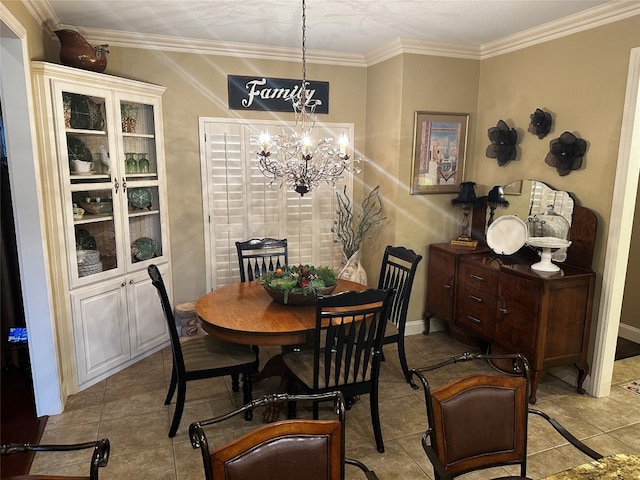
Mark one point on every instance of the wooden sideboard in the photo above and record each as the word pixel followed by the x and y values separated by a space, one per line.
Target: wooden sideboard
pixel 500 301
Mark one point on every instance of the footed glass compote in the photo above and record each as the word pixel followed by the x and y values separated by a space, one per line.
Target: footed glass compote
pixel 548 231
pixel 548 245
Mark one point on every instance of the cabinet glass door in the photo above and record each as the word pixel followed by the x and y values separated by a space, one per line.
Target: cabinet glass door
pixel 86 142
pixel 142 211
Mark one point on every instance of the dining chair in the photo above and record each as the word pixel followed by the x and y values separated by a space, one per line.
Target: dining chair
pixel 397 271
pixel 259 256
pixel 203 356
pixel 99 458
pixel 481 421
pixel 283 450
pixel 346 353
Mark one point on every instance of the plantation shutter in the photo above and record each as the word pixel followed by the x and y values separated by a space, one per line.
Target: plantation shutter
pixel 239 202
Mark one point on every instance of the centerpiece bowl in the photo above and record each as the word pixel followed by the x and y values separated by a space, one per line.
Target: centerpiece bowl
pixel 299 285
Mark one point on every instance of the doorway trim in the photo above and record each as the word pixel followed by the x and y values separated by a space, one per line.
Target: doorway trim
pixel 15 88
pixel 619 237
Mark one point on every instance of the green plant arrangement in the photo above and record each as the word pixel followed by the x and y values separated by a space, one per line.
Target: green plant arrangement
pixel 299 280
pixel 351 228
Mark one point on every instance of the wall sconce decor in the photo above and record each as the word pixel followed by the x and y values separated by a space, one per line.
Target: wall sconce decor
pixel 495 199
pixel 565 153
pixel 503 143
pixel 466 199
pixel 540 124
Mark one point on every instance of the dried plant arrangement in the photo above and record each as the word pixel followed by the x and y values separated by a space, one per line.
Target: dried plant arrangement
pixel 351 228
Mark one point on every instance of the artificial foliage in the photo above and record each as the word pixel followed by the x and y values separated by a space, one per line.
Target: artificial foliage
pixel 301 279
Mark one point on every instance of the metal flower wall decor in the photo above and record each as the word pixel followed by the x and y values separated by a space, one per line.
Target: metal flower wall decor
pixel 540 124
pixel 565 153
pixel 503 143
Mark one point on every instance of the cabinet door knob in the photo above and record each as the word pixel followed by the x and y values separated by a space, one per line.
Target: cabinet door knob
pixel 123 284
pixel 124 185
pixel 117 185
pixel 131 282
pixel 446 286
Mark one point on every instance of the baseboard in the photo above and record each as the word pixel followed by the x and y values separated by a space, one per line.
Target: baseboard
pixel 415 327
pixel 629 332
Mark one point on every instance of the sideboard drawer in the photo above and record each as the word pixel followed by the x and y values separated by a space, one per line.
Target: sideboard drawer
pixel 478 278
pixel 477 311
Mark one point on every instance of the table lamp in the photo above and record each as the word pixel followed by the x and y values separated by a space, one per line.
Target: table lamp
pixel 466 199
pixel 495 199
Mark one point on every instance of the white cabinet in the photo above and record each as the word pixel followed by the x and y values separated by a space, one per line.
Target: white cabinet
pixel 115 321
pixel 104 191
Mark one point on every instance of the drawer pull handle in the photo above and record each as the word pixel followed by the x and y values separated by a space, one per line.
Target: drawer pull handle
pixel 502 308
pixel 476 277
pixel 475 299
pixel 446 286
pixel 473 319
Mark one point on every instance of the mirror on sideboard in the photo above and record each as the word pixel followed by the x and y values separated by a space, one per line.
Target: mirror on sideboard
pixel 527 198
pixel 530 197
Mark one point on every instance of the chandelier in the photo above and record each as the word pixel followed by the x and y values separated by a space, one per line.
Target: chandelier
pixel 294 157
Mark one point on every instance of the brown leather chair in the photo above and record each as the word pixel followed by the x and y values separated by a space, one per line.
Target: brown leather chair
pixel 347 350
pixel 398 270
pixel 259 256
pixel 284 450
pixel 480 421
pixel 99 458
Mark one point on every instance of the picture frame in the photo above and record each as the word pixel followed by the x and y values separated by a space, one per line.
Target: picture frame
pixel 439 152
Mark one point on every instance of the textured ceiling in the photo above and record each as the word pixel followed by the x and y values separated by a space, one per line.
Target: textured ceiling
pixel 352 26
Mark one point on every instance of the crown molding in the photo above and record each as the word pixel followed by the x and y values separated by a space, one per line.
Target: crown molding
pixel 209 47
pixel 601 15
pixel 594 17
pixel 420 47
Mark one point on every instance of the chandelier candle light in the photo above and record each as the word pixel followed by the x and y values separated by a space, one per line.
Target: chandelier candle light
pixel 293 157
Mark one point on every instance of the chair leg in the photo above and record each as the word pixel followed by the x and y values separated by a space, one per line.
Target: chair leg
pixel 235 382
pixel 375 420
pixel 177 415
pixel 172 385
pixel 256 366
pixel 247 397
pixel 403 363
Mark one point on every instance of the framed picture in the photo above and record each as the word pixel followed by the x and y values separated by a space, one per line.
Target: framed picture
pixel 439 150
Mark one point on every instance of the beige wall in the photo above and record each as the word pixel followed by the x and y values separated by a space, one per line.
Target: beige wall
pixel 397 88
pixel 581 80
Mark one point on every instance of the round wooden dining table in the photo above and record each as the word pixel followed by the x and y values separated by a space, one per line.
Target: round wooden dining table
pixel 245 313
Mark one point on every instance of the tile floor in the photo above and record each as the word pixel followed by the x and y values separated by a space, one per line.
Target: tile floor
pixel 128 409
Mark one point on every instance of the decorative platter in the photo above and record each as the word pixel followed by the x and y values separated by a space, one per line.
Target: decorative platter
pixel 77 150
pixel 140 197
pixel 507 234
pixel 144 248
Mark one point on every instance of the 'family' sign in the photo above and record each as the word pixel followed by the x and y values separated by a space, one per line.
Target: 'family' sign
pixel 274 94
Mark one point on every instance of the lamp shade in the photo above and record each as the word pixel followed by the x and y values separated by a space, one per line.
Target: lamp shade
pixel 496 197
pixel 467 194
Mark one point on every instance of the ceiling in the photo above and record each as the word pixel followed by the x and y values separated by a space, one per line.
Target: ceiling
pixel 342 26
